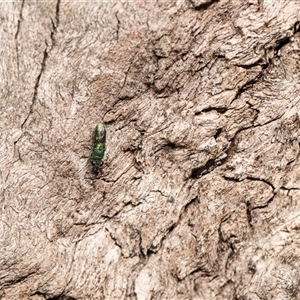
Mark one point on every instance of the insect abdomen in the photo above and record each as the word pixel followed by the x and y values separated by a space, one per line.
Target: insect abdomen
pixel 98 151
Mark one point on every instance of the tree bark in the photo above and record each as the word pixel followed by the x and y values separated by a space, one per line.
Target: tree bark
pixel 199 193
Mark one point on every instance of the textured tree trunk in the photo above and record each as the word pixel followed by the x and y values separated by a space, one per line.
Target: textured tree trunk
pixel 199 193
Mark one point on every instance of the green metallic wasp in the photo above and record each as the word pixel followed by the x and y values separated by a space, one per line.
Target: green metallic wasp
pixel 99 137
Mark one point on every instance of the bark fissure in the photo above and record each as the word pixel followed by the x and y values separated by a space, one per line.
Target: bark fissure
pixel 118 178
pixel 220 110
pixel 115 240
pixel 264 205
pixel 116 213
pixel 232 146
pixel 208 167
pixel 249 215
pixel 180 217
pixel 262 180
pixel 211 164
pixel 57 14
pixel 297 27
pixel 126 73
pixel 203 5
pixel 60 296
pixel 118 25
pixel 249 84
pixel 17 35
pixel 19 21
pixel 36 86
pixel 290 188
pixel 55 24
pixel 43 63
pixel 249 207
pixel 19 279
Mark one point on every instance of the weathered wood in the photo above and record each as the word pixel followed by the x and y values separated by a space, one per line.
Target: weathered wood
pixel 198 197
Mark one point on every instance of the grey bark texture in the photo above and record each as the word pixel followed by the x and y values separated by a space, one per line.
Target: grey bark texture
pixel 199 194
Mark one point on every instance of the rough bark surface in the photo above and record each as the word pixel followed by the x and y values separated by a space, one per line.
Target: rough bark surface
pixel 199 195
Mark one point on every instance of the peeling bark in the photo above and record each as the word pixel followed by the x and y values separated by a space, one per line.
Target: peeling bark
pixel 199 192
